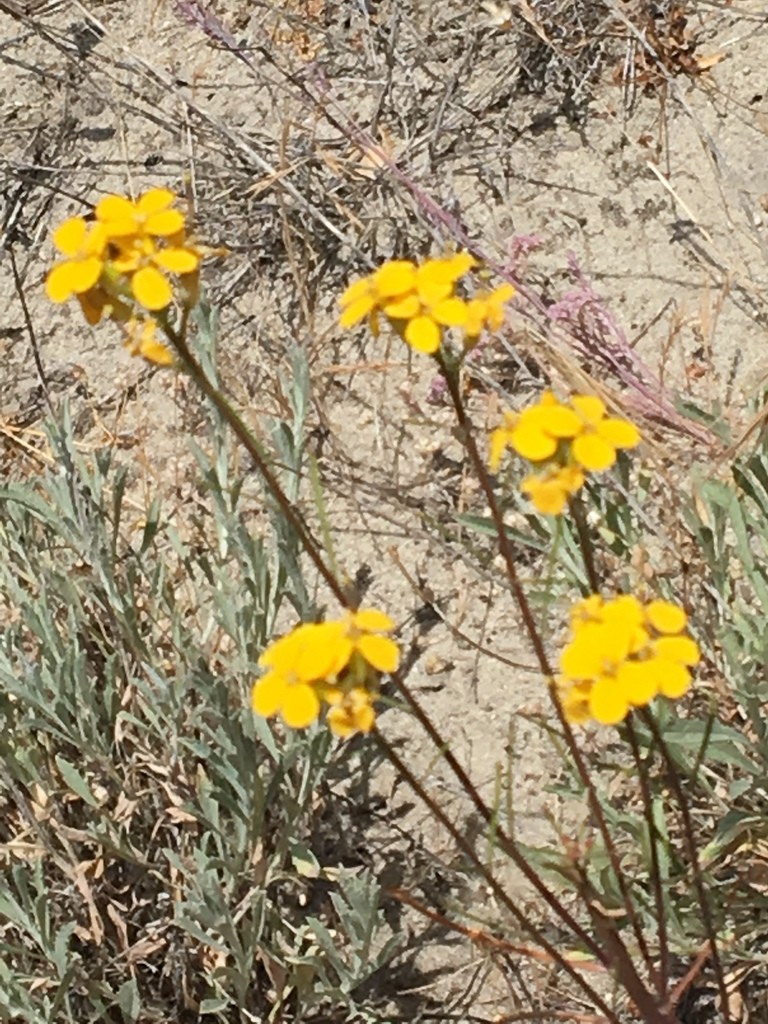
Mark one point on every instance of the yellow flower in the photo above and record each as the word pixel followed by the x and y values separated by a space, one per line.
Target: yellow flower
pixel 359 633
pixel 336 662
pixel 351 712
pixel 600 436
pixel 150 215
pixel 144 263
pixel 84 246
pixel 296 664
pixel 623 654
pixel 142 341
pixel 536 432
pixel 420 298
pixel 549 491
pixel 486 309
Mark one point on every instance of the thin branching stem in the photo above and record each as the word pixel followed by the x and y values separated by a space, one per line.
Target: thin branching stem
pixel 507 901
pixel 693 854
pixel 478 464
pixel 505 842
pixel 246 438
pixel 585 544
pixel 661 977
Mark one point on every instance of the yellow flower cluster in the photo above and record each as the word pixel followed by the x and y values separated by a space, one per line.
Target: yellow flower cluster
pixel 118 265
pixel 564 442
pixel 337 663
pixel 623 653
pixel 420 301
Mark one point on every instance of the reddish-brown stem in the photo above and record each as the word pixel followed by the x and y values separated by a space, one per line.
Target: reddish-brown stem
pixel 693 854
pixel 661 976
pixel 585 545
pixel 245 437
pixel 469 852
pixel 505 842
pixel 467 436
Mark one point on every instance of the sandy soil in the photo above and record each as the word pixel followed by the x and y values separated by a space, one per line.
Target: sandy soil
pixel 659 192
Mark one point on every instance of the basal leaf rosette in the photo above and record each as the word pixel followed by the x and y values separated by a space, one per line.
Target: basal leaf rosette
pixel 336 664
pixel 621 655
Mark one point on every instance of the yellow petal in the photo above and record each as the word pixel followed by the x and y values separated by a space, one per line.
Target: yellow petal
pixel 164 223
pixel 500 438
pixel 177 261
pixel 450 312
pixel 530 441
pixel 678 648
pixel 560 421
pixel 674 678
pixel 116 209
pixel 607 703
pixel 394 278
pixel 301 706
pixel 547 495
pixel 356 291
pixel 379 651
pixel 371 620
pixel 589 407
pixel 69 237
pixel 155 199
pixel 619 433
pixel 582 658
pixel 357 310
pixel 88 273
pixel 593 453
pixel 267 694
pixel 156 352
pixel 423 334
pixel 60 282
pixel 638 682
pixel 402 308
pixel 666 617
pixel 151 289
